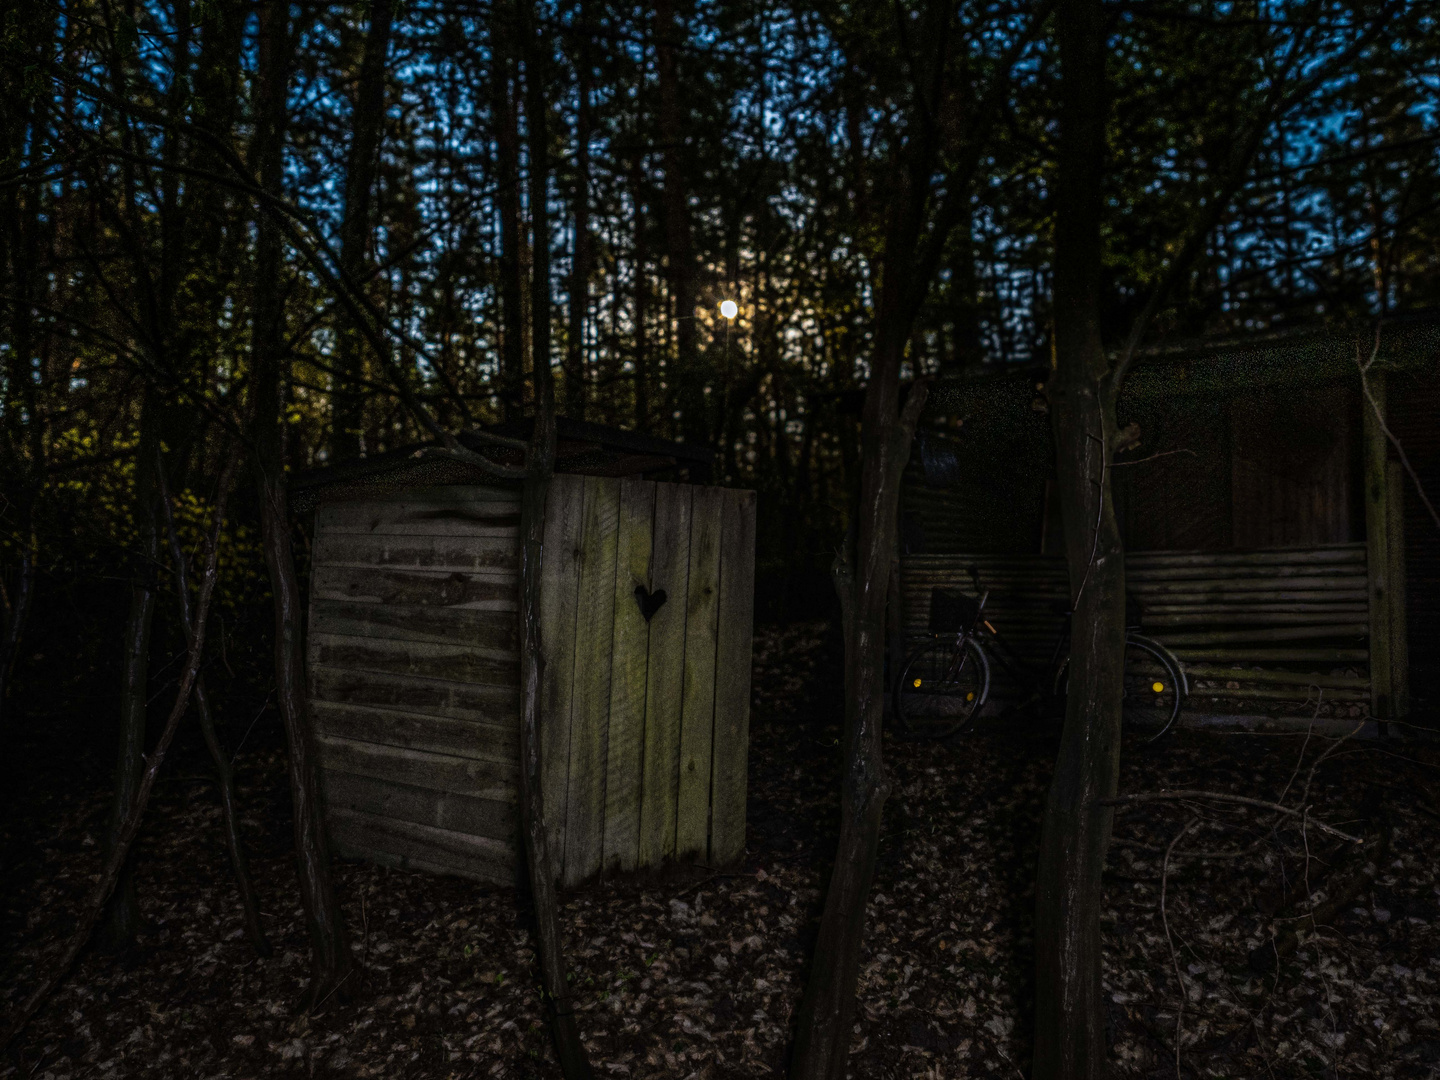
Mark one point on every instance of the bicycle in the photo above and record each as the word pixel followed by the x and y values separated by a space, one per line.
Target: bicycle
pixel 943 684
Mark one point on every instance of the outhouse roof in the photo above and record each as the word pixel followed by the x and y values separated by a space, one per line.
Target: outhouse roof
pixel 581 448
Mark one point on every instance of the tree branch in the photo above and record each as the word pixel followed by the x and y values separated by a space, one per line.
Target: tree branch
pixel 1219 796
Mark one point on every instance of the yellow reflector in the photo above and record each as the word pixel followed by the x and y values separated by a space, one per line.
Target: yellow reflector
pixel 917 682
pixel 970 696
pixel 1158 687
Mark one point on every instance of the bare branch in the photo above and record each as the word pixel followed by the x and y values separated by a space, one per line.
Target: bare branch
pixel 1170 941
pixel 1219 796
pixel 130 826
pixel 1380 419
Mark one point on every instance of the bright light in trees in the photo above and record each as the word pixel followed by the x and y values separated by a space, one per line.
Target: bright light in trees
pixel 728 309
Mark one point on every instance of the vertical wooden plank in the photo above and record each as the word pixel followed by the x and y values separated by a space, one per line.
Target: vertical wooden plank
pixel 590 703
pixel 1399 608
pixel 559 590
pixel 697 717
pixel 735 629
pixel 629 664
pixel 1377 549
pixel 665 672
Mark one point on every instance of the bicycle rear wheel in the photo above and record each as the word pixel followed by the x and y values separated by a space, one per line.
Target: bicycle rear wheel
pixel 941 688
pixel 1154 689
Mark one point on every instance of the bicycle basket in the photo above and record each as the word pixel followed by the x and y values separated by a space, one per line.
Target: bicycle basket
pixel 952 612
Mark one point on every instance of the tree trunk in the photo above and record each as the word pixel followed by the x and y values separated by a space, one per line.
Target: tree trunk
pixel 331 964
pixel 580 252
pixel 15 607
pixel 21 217
pixel 129 826
pixel 827 1011
pixel 537 115
pixel 219 755
pixel 507 178
pixel 679 247
pixel 1069 1012
pixel 122 920
pixel 367 130
pixel 540 465
pixel 642 290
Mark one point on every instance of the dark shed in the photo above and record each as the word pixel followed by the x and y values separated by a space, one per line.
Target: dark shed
pixel 1274 539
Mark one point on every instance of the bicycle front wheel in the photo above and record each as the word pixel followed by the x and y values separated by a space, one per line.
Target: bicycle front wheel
pixel 1154 689
pixel 941 689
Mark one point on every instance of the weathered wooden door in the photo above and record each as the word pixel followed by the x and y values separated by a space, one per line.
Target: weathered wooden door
pixel 648 593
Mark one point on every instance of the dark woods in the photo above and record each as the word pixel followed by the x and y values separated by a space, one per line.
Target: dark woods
pixel 249 240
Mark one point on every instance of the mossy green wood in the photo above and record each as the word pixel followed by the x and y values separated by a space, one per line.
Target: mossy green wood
pixel 664 684
pixel 732 678
pixel 629 666
pixel 590 696
pixel 559 591
pixel 697 716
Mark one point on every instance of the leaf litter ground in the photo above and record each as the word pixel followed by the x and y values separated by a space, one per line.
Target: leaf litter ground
pixel 696 974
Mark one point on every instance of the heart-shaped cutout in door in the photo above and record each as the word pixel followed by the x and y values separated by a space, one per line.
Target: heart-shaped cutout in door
pixel 649 602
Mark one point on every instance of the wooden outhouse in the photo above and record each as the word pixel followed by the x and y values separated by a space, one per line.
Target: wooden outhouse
pixel 1274 539
pixel 646 615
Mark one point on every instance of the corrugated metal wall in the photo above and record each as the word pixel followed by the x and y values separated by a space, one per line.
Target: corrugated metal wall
pixel 1254 629
pixel 1414 406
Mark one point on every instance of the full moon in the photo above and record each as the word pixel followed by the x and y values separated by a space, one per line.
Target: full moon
pixel 728 309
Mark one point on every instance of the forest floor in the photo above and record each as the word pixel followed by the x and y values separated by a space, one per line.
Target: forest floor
pixel 697 975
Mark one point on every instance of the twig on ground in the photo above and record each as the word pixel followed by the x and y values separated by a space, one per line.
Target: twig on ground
pixel 1220 796
pixel 1170 941
pixel 1152 457
pixel 1309 731
pixel 1310 776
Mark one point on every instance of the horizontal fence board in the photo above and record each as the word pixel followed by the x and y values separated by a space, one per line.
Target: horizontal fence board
pixel 1285 573
pixel 410 846
pixel 419 659
pixel 1278 633
pixel 488 633
pixel 429 697
pixel 1278 606
pixel 1234 602
pixel 437 494
pixel 1302 678
pixel 412 731
pixel 428 588
pixel 495 556
pixel 424 806
pixel 1273 656
pixel 1257 589
pixel 438 772
pixel 1326 616
pixel 500 518
pixel 1275 693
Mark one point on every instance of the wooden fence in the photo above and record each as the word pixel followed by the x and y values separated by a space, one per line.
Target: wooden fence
pixel 1259 627
pixel 414 675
